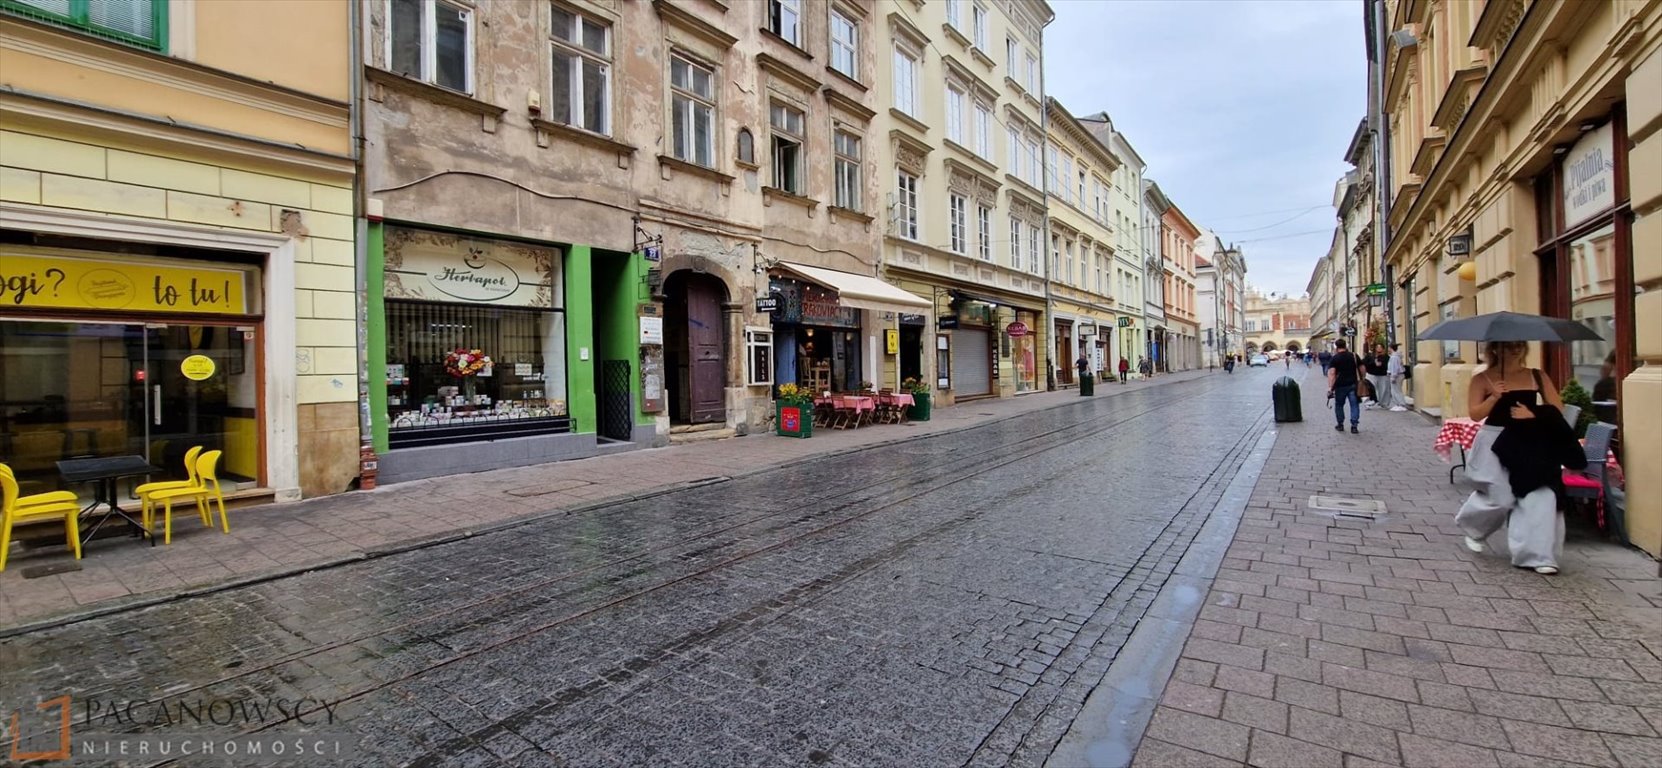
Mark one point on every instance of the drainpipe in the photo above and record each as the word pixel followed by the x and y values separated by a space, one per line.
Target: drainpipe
pixel 1044 238
pixel 1381 135
pixel 356 12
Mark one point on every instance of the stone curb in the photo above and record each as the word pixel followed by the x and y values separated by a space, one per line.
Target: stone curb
pixel 409 545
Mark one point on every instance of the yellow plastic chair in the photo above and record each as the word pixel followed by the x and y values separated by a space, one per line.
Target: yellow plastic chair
pixel 14 508
pixel 50 497
pixel 145 491
pixel 202 493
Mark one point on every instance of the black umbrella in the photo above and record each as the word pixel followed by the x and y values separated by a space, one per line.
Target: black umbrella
pixel 1509 326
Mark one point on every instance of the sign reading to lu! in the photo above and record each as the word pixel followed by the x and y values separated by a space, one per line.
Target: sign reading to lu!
pixel 65 282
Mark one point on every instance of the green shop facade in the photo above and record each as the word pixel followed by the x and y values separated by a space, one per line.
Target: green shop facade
pixel 486 352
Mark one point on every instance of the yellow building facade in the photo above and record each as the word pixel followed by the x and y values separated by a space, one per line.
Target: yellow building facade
pixel 1526 175
pixel 176 232
pixel 1084 315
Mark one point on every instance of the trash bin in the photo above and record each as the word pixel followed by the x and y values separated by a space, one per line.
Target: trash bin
pixel 1284 395
pixel 1087 385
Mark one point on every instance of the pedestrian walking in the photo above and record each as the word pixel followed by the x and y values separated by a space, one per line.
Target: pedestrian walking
pixel 1324 358
pixel 1377 367
pixel 1514 463
pixel 1084 366
pixel 1342 380
pixel 1395 372
pixel 1125 369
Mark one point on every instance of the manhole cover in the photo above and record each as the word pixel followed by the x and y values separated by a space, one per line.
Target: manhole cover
pixel 1367 509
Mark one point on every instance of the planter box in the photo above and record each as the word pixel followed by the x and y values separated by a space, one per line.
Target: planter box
pixel 793 420
pixel 921 408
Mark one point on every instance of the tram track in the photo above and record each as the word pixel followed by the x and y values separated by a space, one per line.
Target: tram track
pixel 956 469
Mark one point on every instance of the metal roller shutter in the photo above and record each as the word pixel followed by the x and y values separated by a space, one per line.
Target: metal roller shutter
pixel 971 375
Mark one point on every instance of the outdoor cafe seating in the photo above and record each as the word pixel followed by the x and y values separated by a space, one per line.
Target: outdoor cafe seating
pixel 851 410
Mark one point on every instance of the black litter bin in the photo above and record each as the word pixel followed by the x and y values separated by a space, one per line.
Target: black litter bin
pixel 1284 395
pixel 1087 385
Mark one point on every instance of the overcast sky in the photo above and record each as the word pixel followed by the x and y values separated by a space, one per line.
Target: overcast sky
pixel 1242 110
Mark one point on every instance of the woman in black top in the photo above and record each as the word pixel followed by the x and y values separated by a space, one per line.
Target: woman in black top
pixel 1498 396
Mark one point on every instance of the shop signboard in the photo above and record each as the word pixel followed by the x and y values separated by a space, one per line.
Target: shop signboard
pixel 652 331
pixel 767 304
pixel 439 266
pixel 33 281
pixel 1376 289
pixel 1016 329
pixel 197 367
pixel 811 305
pixel 1589 172
pixel 1124 322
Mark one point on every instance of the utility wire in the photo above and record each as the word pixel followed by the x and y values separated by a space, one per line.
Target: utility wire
pixel 1327 231
pixel 1295 217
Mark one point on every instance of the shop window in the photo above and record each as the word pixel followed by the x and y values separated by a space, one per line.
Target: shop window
pixel 693 110
pixel 1592 285
pixel 582 72
pixel 431 41
pixel 758 346
pixel 138 22
pixel 451 365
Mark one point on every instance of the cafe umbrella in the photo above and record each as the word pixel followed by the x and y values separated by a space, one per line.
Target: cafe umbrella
pixel 1509 326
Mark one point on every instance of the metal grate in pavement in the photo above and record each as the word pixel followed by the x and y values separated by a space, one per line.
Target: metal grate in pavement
pixel 1340 506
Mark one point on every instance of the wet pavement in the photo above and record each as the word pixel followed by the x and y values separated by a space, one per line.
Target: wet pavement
pixel 950 600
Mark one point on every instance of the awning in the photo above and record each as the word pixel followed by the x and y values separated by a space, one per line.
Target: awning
pixel 860 291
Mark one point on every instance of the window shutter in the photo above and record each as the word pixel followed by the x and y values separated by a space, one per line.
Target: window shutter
pixel 128 17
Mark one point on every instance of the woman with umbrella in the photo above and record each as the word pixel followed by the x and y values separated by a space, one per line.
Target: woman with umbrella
pixel 1516 460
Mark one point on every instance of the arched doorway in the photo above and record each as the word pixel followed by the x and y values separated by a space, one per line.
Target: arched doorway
pixel 1293 347
pixel 695 348
pixel 1269 346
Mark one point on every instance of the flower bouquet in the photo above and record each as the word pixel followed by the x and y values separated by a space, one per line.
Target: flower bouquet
pixel 462 363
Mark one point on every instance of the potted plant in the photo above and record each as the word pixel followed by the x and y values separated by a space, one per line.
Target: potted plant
pixel 920 399
pixel 794 411
pixel 1575 394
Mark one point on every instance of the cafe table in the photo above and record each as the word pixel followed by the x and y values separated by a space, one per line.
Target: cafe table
pixel 105 471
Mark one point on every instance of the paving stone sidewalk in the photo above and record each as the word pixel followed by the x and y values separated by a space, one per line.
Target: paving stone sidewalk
pixel 1340 642
pixel 274 539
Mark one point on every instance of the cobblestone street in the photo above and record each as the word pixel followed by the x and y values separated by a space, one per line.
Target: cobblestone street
pixel 948 600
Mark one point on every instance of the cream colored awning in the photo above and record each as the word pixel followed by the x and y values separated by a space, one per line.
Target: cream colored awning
pixel 860 291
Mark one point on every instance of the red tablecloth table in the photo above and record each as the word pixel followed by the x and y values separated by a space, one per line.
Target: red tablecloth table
pixel 1462 432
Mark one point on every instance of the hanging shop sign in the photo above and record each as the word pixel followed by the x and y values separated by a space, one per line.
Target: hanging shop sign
pixel 1460 245
pixel 197 367
pixel 1124 322
pixel 768 304
pixel 33 281
pixel 1589 171
pixel 1376 289
pixel 809 304
pixel 891 341
pixel 439 266
pixel 1016 329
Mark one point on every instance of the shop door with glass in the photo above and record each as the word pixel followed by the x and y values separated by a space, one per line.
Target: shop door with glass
pixel 200 389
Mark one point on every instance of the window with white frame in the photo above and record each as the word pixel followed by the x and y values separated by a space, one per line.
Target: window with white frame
pixel 845 45
pixel 1055 258
pixel 786 123
pixel 846 148
pixel 1067 268
pixel 1051 159
pixel 955 13
pixel 1012 145
pixel 785 20
pixel 906 205
pixel 984 131
pixel 1064 187
pixel 1015 243
pixel 1034 252
pixel 693 108
pixel 582 67
pixel 1012 56
pixel 980 18
pixel 1081 184
pixel 957 219
pixel 1032 146
pixel 1032 74
pixel 1101 284
pixel 758 356
pixel 431 41
pixel 905 82
pixel 955 114
pixel 984 232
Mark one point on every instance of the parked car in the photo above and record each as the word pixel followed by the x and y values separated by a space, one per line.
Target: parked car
pixel 1259 360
